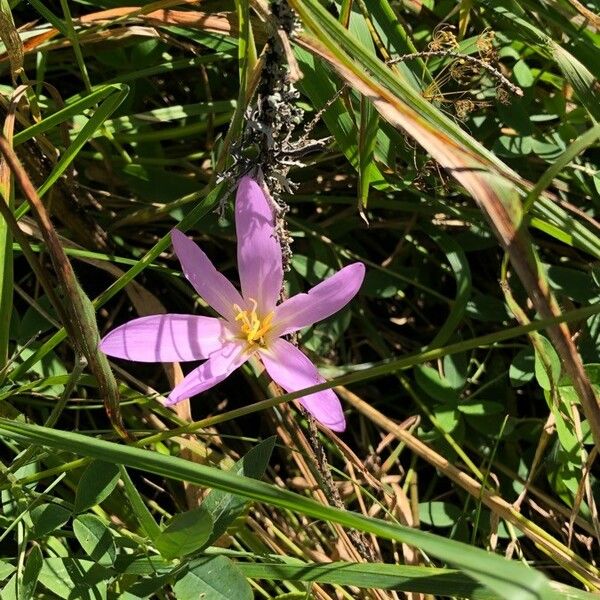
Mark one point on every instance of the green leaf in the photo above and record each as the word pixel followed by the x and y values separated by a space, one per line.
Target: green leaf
pixel 447 418
pixel 456 368
pixel 6 569
pixel 214 578
pixel 147 587
pixel 75 579
pixel 436 386
pixel 311 269
pixel 224 508
pixel 31 573
pixel 572 283
pixel 547 380
pixel 439 514
pixel 522 368
pixel 47 368
pixel 185 533
pixel 46 518
pixel 97 482
pixel 486 308
pixel 33 323
pixel 9 591
pixel 481 408
pixel 568 393
pixel 95 538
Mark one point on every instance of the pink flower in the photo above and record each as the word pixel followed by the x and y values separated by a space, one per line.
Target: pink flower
pixel 251 322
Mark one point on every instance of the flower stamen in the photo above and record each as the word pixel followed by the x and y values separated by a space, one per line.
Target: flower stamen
pixel 252 327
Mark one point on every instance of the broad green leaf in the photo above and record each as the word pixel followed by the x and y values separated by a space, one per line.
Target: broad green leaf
pixel 566 390
pixel 97 482
pixel 95 538
pixel 456 368
pixel 48 517
pixel 522 368
pixel 481 408
pixel 439 514
pixel 431 382
pixel 185 533
pixel 224 508
pixel 572 283
pixel 75 579
pixel 6 569
pixel 546 379
pixel 33 323
pixel 447 418
pixel 486 308
pixel 146 588
pixel 311 269
pixel 9 591
pixel 213 578
pixel 31 573
pixel 48 368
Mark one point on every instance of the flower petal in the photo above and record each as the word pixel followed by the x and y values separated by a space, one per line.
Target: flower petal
pixel 209 373
pixel 211 285
pixel 322 301
pixel 258 251
pixel 293 371
pixel 166 338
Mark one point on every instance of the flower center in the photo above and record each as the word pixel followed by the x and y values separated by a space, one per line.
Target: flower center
pixel 253 328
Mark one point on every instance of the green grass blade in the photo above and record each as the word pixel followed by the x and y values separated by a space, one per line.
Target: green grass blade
pixel 73 107
pixel 406 578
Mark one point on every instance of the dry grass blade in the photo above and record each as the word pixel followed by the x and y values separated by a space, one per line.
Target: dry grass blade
pixel 7 228
pixel 592 17
pixel 496 195
pixel 14 46
pixel 223 23
pixel 80 317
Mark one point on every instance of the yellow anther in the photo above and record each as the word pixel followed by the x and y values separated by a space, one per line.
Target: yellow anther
pixel 251 326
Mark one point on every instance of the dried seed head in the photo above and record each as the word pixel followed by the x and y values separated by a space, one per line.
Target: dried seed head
pixel 463 108
pixel 443 38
